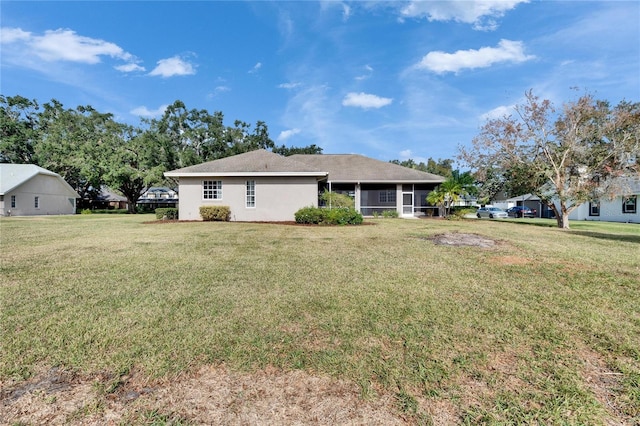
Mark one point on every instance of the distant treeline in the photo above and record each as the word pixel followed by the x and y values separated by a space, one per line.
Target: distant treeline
pixel 90 149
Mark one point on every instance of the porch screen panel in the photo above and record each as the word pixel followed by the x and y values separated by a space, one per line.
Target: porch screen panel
pixel 407 203
pixel 377 199
pixel 348 189
pixel 420 204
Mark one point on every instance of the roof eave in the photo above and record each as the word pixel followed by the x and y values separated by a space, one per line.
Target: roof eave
pixel 401 181
pixel 239 174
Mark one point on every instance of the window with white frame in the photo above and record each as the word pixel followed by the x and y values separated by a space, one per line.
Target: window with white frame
pixel 629 204
pixel 13 201
pixel 212 190
pixel 387 196
pixel 251 193
pixel 594 208
pixel 36 202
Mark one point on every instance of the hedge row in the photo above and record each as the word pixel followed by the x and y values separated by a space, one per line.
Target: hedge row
pixel 217 213
pixel 170 213
pixel 319 216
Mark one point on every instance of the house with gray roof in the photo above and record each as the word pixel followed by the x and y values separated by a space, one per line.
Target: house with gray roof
pixel 158 197
pixel 376 186
pixel 263 186
pixel 29 190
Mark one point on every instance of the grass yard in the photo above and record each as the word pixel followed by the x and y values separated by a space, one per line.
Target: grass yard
pixel 543 327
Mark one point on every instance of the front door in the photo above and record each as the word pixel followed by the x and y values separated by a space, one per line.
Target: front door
pixel 407 204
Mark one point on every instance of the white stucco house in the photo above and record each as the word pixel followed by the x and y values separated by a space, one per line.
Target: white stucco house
pixel 621 208
pixel 29 190
pixel 263 186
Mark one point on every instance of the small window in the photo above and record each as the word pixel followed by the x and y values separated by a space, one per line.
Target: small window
pixel 212 190
pixel 13 201
pixel 594 208
pixel 629 204
pixel 36 202
pixel 251 193
pixel 387 196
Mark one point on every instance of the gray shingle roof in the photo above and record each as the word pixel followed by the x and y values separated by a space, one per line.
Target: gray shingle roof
pixel 358 168
pixel 254 162
pixel 340 167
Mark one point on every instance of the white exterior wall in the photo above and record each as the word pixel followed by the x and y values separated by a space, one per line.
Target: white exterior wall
pixel 53 198
pixel 610 211
pixel 277 198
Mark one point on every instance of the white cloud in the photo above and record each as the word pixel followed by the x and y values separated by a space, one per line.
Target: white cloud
pixel 286 25
pixel 143 111
pixel 12 35
pixel 365 100
pixel 368 71
pixel 312 109
pixel 291 85
pixel 130 67
pixel 346 11
pixel 481 13
pixel 332 5
pixel 255 68
pixel 408 154
pixel 498 112
pixel 507 51
pixel 173 66
pixel 286 134
pixel 218 90
pixel 405 154
pixel 62 45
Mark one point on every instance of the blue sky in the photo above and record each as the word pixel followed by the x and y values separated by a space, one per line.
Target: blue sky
pixel 390 80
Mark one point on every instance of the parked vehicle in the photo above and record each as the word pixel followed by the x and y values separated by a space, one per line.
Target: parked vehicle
pixel 520 211
pixel 491 213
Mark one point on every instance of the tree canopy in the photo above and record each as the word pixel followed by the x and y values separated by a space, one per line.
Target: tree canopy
pixel 565 156
pixel 440 167
pixel 90 149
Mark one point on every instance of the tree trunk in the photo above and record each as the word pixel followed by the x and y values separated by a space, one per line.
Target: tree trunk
pixel 563 220
pixel 133 192
pixel 562 216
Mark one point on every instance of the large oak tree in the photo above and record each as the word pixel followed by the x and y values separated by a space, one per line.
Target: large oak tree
pixel 566 156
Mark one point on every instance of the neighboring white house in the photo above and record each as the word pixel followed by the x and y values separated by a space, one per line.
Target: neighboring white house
pixel 622 208
pixel 29 190
pixel 263 186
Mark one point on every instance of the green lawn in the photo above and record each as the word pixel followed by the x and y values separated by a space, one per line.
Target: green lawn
pixel 544 327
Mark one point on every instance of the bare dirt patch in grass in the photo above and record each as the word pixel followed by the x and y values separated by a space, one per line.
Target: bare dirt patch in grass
pixel 604 383
pixel 212 395
pixel 463 239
